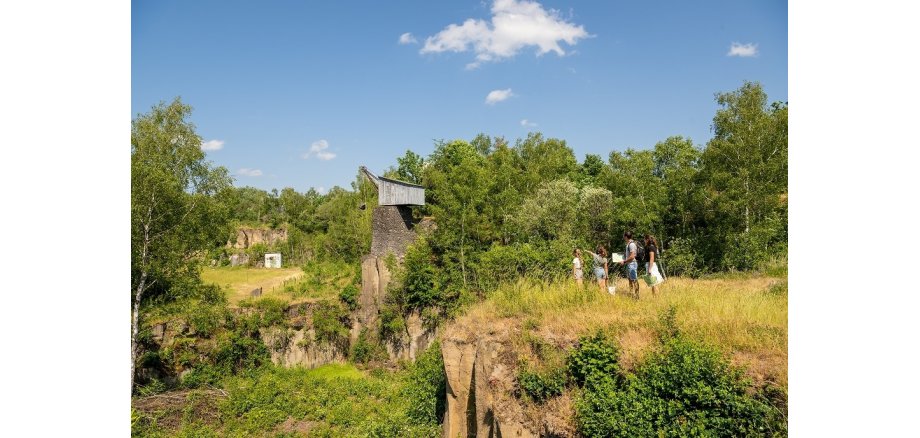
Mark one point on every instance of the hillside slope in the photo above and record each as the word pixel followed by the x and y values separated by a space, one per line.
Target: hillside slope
pixel 531 328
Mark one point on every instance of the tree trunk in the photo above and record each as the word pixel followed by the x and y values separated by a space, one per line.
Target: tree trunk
pixel 462 241
pixel 136 308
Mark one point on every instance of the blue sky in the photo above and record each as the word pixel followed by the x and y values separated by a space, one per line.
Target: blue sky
pixel 299 94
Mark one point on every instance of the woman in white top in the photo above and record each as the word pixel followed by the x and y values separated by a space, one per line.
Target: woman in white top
pixel 576 267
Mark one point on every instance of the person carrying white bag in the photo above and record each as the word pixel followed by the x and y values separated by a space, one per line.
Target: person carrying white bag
pixel 652 256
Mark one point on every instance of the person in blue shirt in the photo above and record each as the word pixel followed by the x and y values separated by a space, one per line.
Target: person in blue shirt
pixel 632 265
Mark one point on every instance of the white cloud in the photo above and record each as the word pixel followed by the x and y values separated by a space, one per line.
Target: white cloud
pixel 212 145
pixel 527 123
pixel 743 50
pixel 250 172
pixel 496 96
pixel 515 24
pixel 322 190
pixel 318 150
pixel 407 38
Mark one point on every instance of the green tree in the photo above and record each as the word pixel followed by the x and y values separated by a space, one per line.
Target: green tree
pixel 457 182
pixel 745 172
pixel 175 213
pixel 410 168
pixel 676 165
pixel 639 199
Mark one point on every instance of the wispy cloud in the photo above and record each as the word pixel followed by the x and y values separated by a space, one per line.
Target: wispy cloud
pixel 496 96
pixel 319 150
pixel 743 50
pixel 515 24
pixel 250 172
pixel 407 38
pixel 212 145
pixel 528 123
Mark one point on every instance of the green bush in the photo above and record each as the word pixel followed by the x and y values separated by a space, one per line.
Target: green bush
pixel 594 357
pixel 540 386
pixel 366 349
pixel 425 386
pixel 349 296
pixel 683 389
pixel 330 323
pixel 682 259
pixel 392 323
pixel 418 277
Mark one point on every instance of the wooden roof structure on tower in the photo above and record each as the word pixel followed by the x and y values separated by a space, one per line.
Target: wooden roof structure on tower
pixel 395 192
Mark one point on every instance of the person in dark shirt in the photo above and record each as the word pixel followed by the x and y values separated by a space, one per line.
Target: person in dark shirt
pixel 652 255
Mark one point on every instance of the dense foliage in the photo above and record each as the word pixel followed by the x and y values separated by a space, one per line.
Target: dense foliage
pixel 683 389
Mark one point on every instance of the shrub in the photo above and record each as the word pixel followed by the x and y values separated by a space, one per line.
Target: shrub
pixel 366 349
pixel 418 277
pixel 682 259
pixel 237 351
pixel 595 356
pixel 684 389
pixel 425 386
pixel 540 386
pixel 349 296
pixel 330 323
pixel 392 324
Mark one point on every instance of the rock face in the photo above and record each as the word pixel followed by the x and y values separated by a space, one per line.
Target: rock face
pixel 415 341
pixel 393 231
pixel 297 345
pixel 480 382
pixel 246 237
pixel 375 277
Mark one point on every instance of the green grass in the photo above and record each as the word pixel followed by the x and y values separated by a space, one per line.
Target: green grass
pixel 335 400
pixel 747 318
pixel 336 371
pixel 239 281
pixel 316 281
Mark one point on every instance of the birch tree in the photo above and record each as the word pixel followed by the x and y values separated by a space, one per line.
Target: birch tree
pixel 175 214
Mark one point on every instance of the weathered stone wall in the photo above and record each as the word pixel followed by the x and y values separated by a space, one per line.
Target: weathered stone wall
pixel 297 345
pixel 246 237
pixel 481 365
pixel 392 230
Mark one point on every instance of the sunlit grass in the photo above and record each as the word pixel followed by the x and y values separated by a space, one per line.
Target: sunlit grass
pixel 239 281
pixel 336 370
pixel 316 281
pixel 744 317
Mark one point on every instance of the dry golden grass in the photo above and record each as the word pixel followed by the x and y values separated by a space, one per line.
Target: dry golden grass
pixel 240 281
pixel 744 317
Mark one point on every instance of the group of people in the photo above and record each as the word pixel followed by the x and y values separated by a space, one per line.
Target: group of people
pixel 630 261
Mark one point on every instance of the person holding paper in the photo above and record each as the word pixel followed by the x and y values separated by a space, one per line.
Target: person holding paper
pixel 632 265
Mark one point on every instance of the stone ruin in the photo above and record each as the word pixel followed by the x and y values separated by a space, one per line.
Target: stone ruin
pixel 393 230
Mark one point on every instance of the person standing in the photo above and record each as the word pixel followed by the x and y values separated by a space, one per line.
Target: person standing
pixel 632 265
pixel 652 256
pixel 600 267
pixel 577 267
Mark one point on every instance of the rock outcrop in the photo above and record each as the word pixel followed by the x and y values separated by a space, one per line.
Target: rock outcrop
pixel 375 278
pixel 298 347
pixel 246 237
pixel 480 384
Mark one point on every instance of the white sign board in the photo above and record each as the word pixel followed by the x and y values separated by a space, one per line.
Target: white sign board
pixel 273 260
